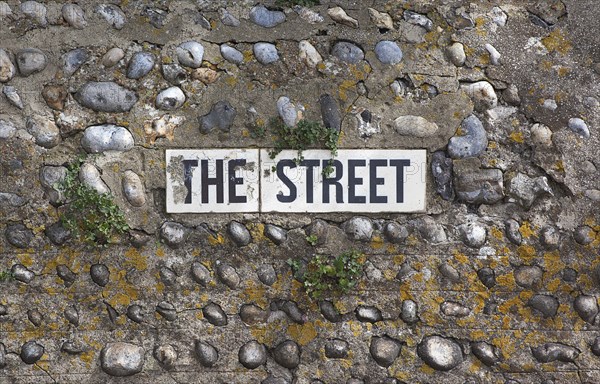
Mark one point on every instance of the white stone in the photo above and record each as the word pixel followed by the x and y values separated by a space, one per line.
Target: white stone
pixel 309 54
pixel 483 95
pixel 415 126
pixel 170 99
pixel 494 54
pixel 541 135
pixel 288 111
pixel 381 19
pixel 90 176
pixel 338 15
pixel 456 54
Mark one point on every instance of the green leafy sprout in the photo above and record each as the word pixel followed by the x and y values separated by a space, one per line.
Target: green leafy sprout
pixel 6 275
pixel 329 275
pixel 92 217
pixel 312 239
pixel 304 135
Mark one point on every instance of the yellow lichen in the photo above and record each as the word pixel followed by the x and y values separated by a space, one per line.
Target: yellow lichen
pixel 556 41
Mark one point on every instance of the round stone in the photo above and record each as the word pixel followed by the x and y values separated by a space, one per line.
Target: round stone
pixel 112 57
pixel 347 52
pixel 174 73
pixel 31 352
pixel 359 228
pixel 122 359
pixel 449 272
pixel 190 54
pixel 550 238
pixel 231 54
pixel 135 313
pixel 252 354
pixel 57 233
pixel 30 61
pixel 167 311
pixel 511 229
pixel 330 112
pixel 388 52
pixel 486 353
pixel 228 275
pixel 456 54
pixel 288 111
pixel 206 353
pixel 528 276
pixel 74 15
pixel 106 96
pixel 487 276
pixel 107 137
pixel 265 53
pixel 238 233
pixel 409 312
pixel 173 234
pixel 368 314
pixel 72 315
pixel 100 274
pixel 140 65
pixel 287 354
pixel 165 354
pixel 221 116
pixel 453 309
pixel 546 305
pixel 253 314
pixel 584 235
pixel 214 314
pixel 384 350
pixel 336 349
pixel 472 143
pixel 266 18
pixel 586 307
pixel 133 189
pixel 170 99
pixel 309 54
pixel 55 96
pixel 472 234
pixel 18 235
pixel 329 312
pixel 167 276
pixel 579 127
pixel 7 129
pixel 36 11
pixel 440 353
pixel 44 131
pixel 200 273
pixel 35 317
pixel 276 234
pixel 292 310
pixel 395 233
pixel 266 274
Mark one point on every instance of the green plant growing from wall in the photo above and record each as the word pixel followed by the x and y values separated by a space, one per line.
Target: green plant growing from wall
pixel 92 217
pixel 312 239
pixel 6 275
pixel 304 135
pixel 330 275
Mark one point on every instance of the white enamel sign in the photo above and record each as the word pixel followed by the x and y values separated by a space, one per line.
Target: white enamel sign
pixel 248 180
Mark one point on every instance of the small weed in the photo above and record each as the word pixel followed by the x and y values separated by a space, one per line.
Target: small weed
pixel 325 274
pixel 257 131
pixel 304 135
pixel 6 275
pixel 312 239
pixel 290 3
pixel 91 216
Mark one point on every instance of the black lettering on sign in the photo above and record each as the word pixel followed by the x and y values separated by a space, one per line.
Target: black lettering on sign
pixel 233 181
pixel 329 181
pixel 188 166
pixel 310 164
pixel 374 181
pixel 288 183
pixel 353 181
pixel 208 181
pixel 400 164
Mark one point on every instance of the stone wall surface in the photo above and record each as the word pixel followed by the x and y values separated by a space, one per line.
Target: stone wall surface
pixel 497 282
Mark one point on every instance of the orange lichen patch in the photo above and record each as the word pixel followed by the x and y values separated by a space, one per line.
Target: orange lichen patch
pixel 389 274
pixel 257 231
pixel 553 285
pixel 377 242
pixel 517 137
pixel 160 252
pixel 119 299
pixel 25 259
pixel 556 41
pixel 475 366
pixel 427 369
pixel 507 280
pixel 216 240
pixel 460 257
pixel 303 333
pixel 497 233
pixel 478 334
pixel 506 343
pixel 552 263
pixel 527 253
pixel 527 231
pixel 134 259
pixel 256 293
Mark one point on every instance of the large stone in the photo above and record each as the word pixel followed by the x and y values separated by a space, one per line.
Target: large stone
pixel 238 233
pixel 140 65
pixel 31 352
pixel 214 314
pixel 586 307
pixel 231 54
pixel 338 15
pixel 13 96
pixel 228 275
pixel 190 54
pixel 90 177
pixel 122 359
pixel 384 350
pixel 266 18
pixel 472 234
pixel 74 59
pixel 252 354
pixel 21 273
pixel 525 190
pixel 347 52
pixel 309 54
pixel 221 116
pixel 528 276
pixel 330 112
pixel 486 353
pixel 173 234
pixel 206 353
pixel 359 228
pixel 112 14
pixel 546 305
pixel 409 312
pixel 388 52
pixel 472 142
pixel 74 15
pixel 18 235
pixel 475 185
pixel 336 349
pixel 440 353
pixel 35 11
pixel 107 137
pixel 100 274
pixel 30 61
pixel 170 99
pixel 133 189
pixel 368 314
pixel 265 53
pixel 166 355
pixel 106 96
pixel 549 352
pixel 287 354
pixel 55 96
